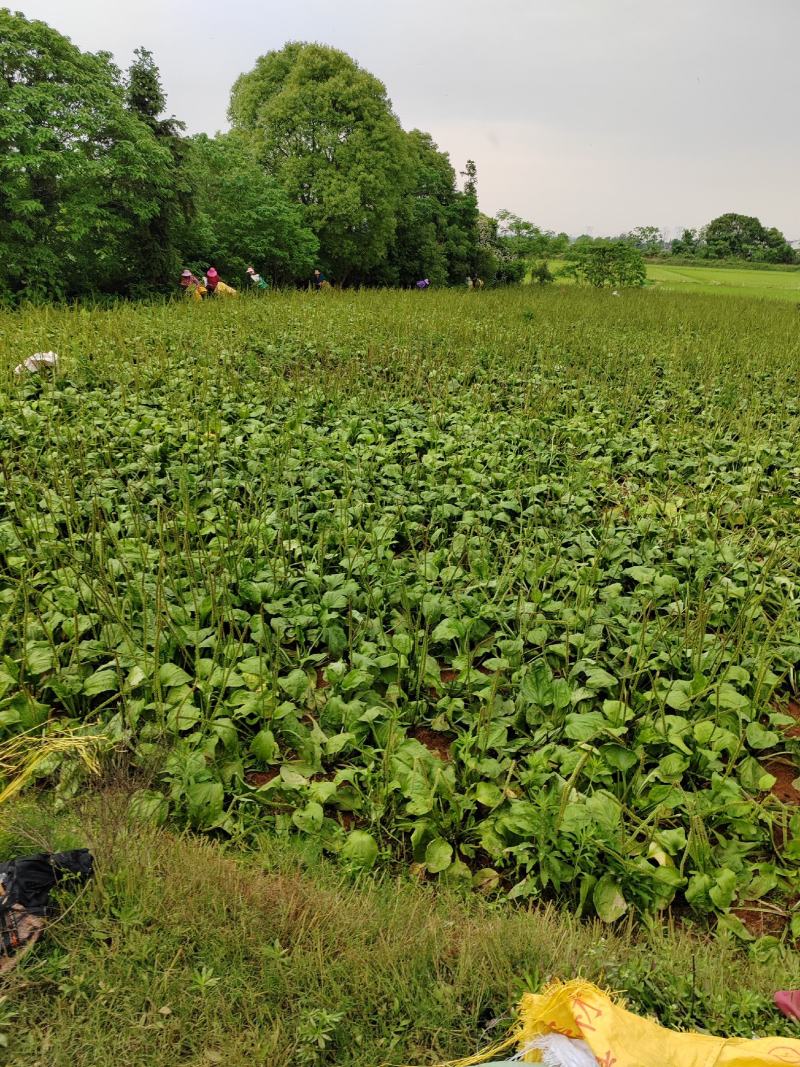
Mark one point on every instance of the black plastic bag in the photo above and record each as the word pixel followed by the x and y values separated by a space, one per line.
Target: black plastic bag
pixel 25 886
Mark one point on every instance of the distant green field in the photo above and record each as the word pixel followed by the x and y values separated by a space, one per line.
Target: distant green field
pixel 775 284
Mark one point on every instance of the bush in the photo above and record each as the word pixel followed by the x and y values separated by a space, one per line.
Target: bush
pixel 541 273
pixel 614 263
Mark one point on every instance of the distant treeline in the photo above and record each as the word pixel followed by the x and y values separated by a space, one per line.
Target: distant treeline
pixel 729 238
pixel 102 193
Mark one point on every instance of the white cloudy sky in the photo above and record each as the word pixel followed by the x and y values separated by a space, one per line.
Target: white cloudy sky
pixel 583 115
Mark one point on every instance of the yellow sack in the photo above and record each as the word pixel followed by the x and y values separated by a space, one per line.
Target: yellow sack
pixel 226 290
pixel 618 1038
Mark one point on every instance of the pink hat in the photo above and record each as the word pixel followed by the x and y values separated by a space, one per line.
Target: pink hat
pixel 186 274
pixel 211 272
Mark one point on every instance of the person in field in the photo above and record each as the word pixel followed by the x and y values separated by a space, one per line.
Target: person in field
pixel 192 286
pixel 216 286
pixel 423 283
pixel 319 280
pixel 255 279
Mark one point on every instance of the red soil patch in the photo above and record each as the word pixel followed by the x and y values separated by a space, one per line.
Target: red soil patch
pixel 793 709
pixel 761 921
pixel 259 778
pixel 448 675
pixel 322 681
pixel 783 771
pixel 437 744
pixel 785 775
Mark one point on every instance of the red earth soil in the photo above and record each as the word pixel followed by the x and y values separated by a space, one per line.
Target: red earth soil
pixel 437 744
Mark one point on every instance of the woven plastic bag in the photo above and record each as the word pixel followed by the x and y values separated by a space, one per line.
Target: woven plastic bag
pixel 591 1022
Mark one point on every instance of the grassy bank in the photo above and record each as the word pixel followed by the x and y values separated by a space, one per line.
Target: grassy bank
pixel 181 953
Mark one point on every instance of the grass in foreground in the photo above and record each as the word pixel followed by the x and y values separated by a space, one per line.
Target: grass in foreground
pixel 179 954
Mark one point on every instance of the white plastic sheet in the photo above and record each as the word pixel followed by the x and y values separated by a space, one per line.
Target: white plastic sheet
pixel 33 364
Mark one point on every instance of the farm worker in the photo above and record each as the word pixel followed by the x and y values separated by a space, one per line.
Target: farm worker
pixel 469 282
pixel 255 279
pixel 216 287
pixel 320 281
pixel 478 283
pixel 192 286
pixel 423 283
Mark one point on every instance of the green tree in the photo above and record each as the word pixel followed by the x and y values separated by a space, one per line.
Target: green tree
pixel 600 263
pixel 153 247
pixel 686 244
pixel 79 173
pixel 523 240
pixel 243 216
pixel 325 128
pixel 648 239
pixel 437 235
pixel 743 237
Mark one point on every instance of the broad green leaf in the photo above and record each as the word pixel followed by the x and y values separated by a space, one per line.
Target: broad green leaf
pixel 104 681
pixel 360 850
pixel 264 747
pixel 170 675
pixel 449 630
pixel 723 891
pixel 609 902
pixel 759 738
pixel 309 819
pixel 204 800
pixel 296 684
pixel 727 697
pixel 148 806
pixel 438 855
pixel 489 794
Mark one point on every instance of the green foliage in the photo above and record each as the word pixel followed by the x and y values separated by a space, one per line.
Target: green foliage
pixel 435 236
pixel 733 236
pixel 243 216
pixel 80 175
pixel 541 273
pixel 480 590
pixel 743 236
pixel 325 129
pixel 648 239
pixel 614 263
pixel 154 252
pixel 524 240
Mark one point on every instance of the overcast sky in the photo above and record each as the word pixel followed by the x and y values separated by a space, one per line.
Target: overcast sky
pixel 583 115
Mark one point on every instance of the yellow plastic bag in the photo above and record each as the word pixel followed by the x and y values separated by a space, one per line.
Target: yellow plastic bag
pixel 618 1038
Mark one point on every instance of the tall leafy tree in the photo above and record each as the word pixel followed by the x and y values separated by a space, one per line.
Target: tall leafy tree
pixel 243 216
pixel 79 173
pixel 430 241
pixel 153 252
pixel 743 237
pixel 648 239
pixel 325 128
